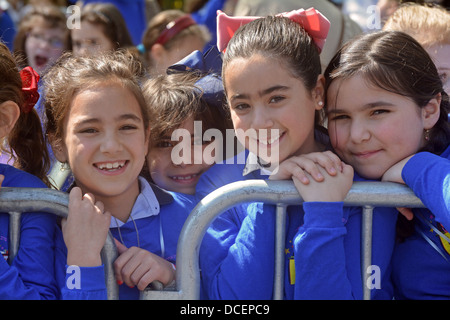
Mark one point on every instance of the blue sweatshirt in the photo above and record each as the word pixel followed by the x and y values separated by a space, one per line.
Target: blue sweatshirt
pixel 220 174
pixel 419 270
pixel 31 275
pixel 159 216
pixel 322 252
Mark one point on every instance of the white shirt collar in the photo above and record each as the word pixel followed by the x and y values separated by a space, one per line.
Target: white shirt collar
pixel 146 204
pixel 252 164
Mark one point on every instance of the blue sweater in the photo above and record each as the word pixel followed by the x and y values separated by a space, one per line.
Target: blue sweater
pixel 157 233
pixel 322 252
pixel 322 242
pixel 419 271
pixel 31 275
pixel 221 174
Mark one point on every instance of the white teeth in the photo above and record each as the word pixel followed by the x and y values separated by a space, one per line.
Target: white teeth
pixel 110 165
pixel 183 178
pixel 269 142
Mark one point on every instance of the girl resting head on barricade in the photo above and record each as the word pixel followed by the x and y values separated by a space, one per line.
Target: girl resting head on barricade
pixel 272 81
pixel 28 275
pixel 387 117
pixel 98 123
pixel 184 104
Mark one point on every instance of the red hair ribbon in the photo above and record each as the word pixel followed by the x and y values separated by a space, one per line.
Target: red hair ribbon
pixel 175 27
pixel 30 80
pixel 314 23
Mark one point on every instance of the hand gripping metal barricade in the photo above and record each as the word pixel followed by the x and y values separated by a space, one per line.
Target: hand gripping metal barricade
pixel 18 200
pixel 367 195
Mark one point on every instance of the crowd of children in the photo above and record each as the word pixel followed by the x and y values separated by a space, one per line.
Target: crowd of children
pixel 144 131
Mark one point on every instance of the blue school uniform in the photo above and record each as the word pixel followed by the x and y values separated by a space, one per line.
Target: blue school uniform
pixel 421 263
pixel 322 249
pixel 155 223
pixel 243 166
pixel 31 275
pixel 322 252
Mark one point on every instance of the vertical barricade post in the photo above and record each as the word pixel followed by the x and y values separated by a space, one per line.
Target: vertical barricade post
pixel 19 200
pixel 367 195
pixel 366 248
pixel 280 241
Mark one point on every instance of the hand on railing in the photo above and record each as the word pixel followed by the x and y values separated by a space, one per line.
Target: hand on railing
pixel 85 229
pixel 300 166
pixel 139 267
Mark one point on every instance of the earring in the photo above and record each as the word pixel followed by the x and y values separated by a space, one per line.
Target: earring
pixel 426 134
pixel 320 103
pixel 64 166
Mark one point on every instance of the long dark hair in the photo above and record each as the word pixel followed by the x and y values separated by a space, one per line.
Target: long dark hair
pixel 26 143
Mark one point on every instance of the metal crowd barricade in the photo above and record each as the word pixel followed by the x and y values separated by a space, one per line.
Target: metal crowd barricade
pixel 15 201
pixel 367 195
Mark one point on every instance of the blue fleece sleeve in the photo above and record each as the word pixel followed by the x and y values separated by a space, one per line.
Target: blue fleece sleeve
pixel 237 260
pixel 428 175
pixel 31 275
pixel 320 256
pixel 84 283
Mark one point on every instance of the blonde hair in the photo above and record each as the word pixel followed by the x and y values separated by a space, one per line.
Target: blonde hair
pixel 429 25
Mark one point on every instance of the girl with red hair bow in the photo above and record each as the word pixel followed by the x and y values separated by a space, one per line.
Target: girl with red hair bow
pixel 272 82
pixel 29 274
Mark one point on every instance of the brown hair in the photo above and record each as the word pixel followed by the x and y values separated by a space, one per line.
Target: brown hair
pixel 110 19
pixel 51 15
pixel 26 141
pixel 282 39
pixel 159 23
pixel 173 98
pixel 395 62
pixel 70 75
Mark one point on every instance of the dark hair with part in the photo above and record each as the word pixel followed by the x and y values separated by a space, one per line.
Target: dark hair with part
pixel 110 20
pixel 395 62
pixel 281 39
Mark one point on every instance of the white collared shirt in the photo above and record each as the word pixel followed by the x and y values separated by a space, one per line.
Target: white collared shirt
pixel 146 204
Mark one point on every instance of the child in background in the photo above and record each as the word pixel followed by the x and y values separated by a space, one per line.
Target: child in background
pixel 387 117
pixel 42 37
pixel 322 248
pixel 190 95
pixel 430 27
pixel 98 124
pixel 170 36
pixel 102 28
pixel 30 275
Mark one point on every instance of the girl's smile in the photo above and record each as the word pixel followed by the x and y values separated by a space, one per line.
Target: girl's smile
pixel 105 141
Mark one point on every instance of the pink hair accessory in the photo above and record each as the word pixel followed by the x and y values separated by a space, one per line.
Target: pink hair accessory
pixel 30 80
pixel 316 24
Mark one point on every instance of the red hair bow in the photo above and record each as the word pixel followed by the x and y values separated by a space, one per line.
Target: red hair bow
pixel 316 24
pixel 30 80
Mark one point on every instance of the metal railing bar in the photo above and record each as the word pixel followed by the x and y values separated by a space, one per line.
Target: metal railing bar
pixel 376 194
